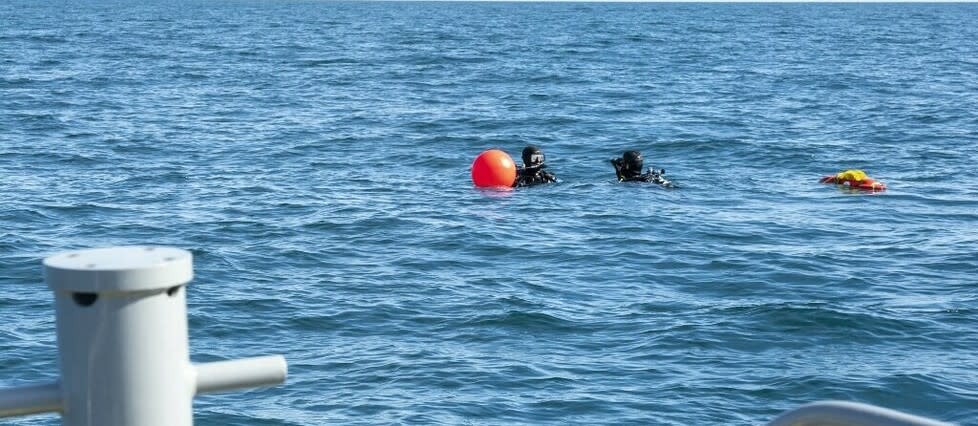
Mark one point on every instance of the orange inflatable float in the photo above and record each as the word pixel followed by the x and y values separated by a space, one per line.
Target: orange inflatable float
pixel 855 179
pixel 493 169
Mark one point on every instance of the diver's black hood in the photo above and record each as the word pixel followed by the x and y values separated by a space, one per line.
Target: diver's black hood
pixel 632 162
pixel 529 153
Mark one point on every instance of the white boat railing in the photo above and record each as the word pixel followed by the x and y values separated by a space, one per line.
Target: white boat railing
pixel 121 318
pixel 843 413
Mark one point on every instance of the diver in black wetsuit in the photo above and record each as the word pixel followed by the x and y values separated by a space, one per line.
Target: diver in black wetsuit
pixel 532 172
pixel 628 168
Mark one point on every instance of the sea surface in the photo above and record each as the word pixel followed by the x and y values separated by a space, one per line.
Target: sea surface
pixel 315 159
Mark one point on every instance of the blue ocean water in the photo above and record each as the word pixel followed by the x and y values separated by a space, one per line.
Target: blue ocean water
pixel 314 157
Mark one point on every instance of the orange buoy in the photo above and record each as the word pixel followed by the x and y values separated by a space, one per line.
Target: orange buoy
pixel 493 168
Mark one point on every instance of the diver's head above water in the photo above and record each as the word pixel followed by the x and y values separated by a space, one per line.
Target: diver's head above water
pixel 532 157
pixel 631 162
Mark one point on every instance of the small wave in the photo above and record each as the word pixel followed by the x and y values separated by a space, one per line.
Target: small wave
pixel 522 321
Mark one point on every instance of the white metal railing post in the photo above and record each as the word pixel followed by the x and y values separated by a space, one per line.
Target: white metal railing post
pixel 122 340
pixel 33 399
pixel 845 413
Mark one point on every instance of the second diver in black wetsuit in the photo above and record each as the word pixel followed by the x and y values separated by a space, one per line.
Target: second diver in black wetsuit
pixel 532 172
pixel 628 168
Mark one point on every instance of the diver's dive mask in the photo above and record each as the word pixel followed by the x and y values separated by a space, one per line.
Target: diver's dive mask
pixel 532 156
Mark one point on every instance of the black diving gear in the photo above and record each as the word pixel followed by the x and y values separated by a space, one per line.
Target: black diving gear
pixel 532 172
pixel 632 161
pixel 532 156
pixel 628 168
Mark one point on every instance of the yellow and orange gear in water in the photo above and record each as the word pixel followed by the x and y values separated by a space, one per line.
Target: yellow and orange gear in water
pixel 856 179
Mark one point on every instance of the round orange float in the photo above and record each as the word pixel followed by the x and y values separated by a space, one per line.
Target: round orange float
pixel 493 168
